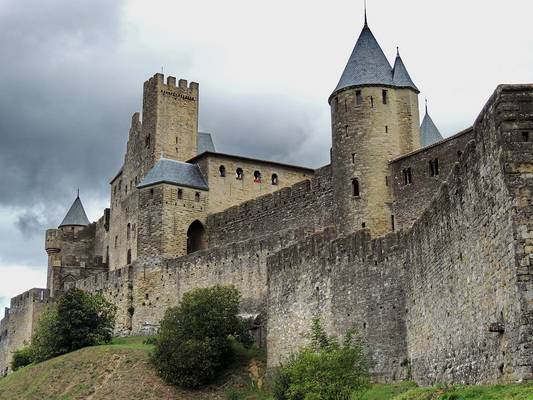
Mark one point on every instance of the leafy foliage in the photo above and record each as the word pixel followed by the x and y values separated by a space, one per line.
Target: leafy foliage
pixel 21 358
pixel 326 369
pixel 193 343
pixel 79 319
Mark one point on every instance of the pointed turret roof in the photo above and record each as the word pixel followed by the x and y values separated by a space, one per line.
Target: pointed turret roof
pixel 429 133
pixel 400 76
pixel 367 64
pixel 76 215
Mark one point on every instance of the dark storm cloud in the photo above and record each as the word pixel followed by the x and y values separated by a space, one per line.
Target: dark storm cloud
pixel 57 108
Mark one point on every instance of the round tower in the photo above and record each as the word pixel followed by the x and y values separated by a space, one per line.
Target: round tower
pixel 374 118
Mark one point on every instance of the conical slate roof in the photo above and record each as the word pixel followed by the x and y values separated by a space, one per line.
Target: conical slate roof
pixel 400 76
pixel 429 133
pixel 76 215
pixel 367 64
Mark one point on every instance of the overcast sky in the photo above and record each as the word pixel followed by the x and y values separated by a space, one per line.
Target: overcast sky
pixel 71 75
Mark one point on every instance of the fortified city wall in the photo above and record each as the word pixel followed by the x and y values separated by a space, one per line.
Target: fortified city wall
pixel 448 300
pixel 309 203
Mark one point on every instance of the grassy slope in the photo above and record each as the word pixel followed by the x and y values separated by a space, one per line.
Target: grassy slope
pixel 120 371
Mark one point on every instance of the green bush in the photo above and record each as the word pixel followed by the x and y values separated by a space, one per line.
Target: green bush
pixel 77 320
pixel 325 370
pixel 21 358
pixel 193 343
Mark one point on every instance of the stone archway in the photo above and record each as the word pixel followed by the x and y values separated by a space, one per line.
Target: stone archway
pixel 196 237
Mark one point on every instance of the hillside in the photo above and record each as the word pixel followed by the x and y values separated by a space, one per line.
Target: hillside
pixel 120 371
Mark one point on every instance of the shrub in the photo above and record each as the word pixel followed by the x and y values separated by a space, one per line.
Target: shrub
pixel 21 358
pixel 79 319
pixel 193 343
pixel 326 369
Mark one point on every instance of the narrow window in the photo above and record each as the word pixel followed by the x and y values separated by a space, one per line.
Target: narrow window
pixel 384 96
pixel 274 179
pixel 197 197
pixel 459 153
pixel 353 158
pixel 126 189
pixel 128 231
pixel 107 254
pixel 222 170
pixel 525 136
pixel 392 223
pixel 436 165
pixel 407 178
pixel 120 185
pixel 151 192
pixel 386 181
pixel 257 177
pixel 239 174
pixel 358 97
pixel 147 141
pixel 386 129
pixel 128 257
pixel 363 225
pixel 346 130
pixel 176 140
pixel 371 101
pixel 116 241
pixel 180 194
pixel 355 187
pixel 345 106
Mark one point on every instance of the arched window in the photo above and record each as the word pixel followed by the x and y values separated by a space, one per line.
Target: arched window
pixel 355 187
pixel 128 257
pixel 128 231
pixel 197 197
pixel 222 170
pixel 196 237
pixel 257 177
pixel 239 174
pixel 274 179
pixel 180 194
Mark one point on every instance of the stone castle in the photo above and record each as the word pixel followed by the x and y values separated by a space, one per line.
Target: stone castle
pixel 424 244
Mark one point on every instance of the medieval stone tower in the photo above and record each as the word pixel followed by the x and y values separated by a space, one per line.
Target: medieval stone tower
pixel 170 118
pixel 374 118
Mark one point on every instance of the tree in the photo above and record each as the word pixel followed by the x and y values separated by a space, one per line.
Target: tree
pixel 325 369
pixel 77 320
pixel 193 343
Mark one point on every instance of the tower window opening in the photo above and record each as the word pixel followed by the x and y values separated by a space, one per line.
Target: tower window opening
pixel 128 257
pixel 197 197
pixel 151 192
pixel 363 225
pixel 116 241
pixel 384 96
pixel 358 97
pixel 386 180
pixel 434 167
pixel 128 231
pixel 525 136
pixel 386 129
pixel 372 101
pixel 222 171
pixel 176 140
pixel 257 177
pixel 346 130
pixel 407 176
pixel 147 141
pixel 180 194
pixel 355 187
pixel 107 254
pixel 459 153
pixel 345 106
pixel 239 174
pixel 353 158
pixel 392 223
pixel 274 179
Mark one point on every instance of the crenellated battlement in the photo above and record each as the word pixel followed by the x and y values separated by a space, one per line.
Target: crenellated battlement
pixel 183 89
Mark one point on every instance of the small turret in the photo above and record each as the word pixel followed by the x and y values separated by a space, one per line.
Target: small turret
pixel 429 133
pixel 76 216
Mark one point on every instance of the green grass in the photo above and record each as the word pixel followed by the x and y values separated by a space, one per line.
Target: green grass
pixel 384 391
pixel 132 342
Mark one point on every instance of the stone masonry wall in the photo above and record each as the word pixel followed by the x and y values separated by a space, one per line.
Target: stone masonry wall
pixel 460 278
pixel 410 200
pixel 351 282
pixel 148 287
pixel 469 288
pixel 19 322
pixel 306 204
